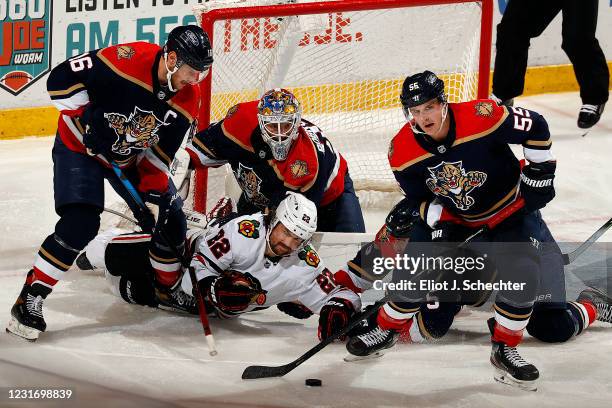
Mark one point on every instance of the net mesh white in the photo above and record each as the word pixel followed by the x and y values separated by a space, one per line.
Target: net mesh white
pixel 347 70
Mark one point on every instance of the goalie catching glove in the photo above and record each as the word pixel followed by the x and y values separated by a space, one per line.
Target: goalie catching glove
pixel 334 316
pixel 232 292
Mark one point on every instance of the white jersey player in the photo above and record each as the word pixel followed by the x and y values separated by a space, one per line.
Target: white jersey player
pixel 247 263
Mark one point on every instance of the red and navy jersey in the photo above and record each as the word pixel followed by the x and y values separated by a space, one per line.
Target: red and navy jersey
pixel 144 122
pixel 473 173
pixel 313 167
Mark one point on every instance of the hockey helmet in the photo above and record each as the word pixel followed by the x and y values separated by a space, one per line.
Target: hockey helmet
pixel 298 214
pixel 191 45
pixel 279 114
pixel 402 218
pixel 192 48
pixel 420 88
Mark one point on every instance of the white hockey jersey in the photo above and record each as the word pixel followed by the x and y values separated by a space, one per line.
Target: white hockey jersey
pixel 240 246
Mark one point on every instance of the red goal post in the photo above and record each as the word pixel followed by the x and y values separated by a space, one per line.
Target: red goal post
pixel 279 19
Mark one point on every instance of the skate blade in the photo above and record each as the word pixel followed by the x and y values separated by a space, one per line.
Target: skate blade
pixel 350 358
pixel 505 378
pixel 17 329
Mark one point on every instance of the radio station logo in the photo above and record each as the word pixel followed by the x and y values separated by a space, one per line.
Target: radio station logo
pixel 25 43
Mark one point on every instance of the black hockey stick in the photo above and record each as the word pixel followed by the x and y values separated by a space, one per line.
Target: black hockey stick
pixel 254 371
pixel 571 256
pixel 184 261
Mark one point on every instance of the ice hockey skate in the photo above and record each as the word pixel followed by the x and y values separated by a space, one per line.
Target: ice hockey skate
pixel 27 320
pixel 602 302
pixel 510 367
pixel 370 344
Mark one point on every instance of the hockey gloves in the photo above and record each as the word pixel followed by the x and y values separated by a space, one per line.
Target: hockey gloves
pixel 232 292
pixel 95 136
pixel 334 316
pixel 537 184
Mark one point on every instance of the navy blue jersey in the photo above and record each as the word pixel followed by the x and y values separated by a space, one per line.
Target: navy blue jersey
pixel 473 173
pixel 145 124
pixel 313 167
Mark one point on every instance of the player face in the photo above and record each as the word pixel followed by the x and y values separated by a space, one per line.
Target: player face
pixel 280 129
pixel 282 241
pixel 187 76
pixel 429 117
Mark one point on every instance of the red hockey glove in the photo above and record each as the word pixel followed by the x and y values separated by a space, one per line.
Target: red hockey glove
pixel 232 292
pixel 334 316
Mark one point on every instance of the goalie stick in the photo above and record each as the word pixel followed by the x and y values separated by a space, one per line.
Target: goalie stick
pixel 185 263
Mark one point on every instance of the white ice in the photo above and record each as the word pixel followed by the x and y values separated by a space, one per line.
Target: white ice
pixel 117 355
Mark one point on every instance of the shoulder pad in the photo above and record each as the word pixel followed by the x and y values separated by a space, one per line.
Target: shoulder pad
pixel 299 171
pixel 240 122
pixel 478 117
pixel 132 61
pixel 404 151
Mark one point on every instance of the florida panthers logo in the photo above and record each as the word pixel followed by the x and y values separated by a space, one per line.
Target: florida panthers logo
pixel 310 256
pixel 484 109
pixel 249 228
pixel 125 52
pixel 299 168
pixel 139 131
pixel 250 184
pixel 452 181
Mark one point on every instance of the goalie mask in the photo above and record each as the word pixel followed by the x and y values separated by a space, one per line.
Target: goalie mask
pixel 279 114
pixel 298 215
pixel 421 88
pixel 192 48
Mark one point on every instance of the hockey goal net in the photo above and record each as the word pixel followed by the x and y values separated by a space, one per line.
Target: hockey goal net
pixel 345 61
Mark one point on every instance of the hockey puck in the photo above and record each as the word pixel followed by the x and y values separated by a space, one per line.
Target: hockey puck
pixel 314 382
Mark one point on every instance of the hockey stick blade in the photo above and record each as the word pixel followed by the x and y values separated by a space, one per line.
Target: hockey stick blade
pixel 571 256
pixel 255 372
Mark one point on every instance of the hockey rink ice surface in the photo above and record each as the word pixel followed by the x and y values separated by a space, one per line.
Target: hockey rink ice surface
pixel 111 354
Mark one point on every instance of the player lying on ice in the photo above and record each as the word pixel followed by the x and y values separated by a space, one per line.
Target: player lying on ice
pixel 272 150
pixel 456 157
pixel 244 263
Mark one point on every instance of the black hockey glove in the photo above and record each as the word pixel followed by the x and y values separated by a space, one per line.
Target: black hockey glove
pixel 537 186
pixel 446 232
pixel 334 316
pixel 164 202
pixel 96 138
pixel 296 310
pixel 232 292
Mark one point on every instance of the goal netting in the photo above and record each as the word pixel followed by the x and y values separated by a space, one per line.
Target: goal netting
pixel 345 61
